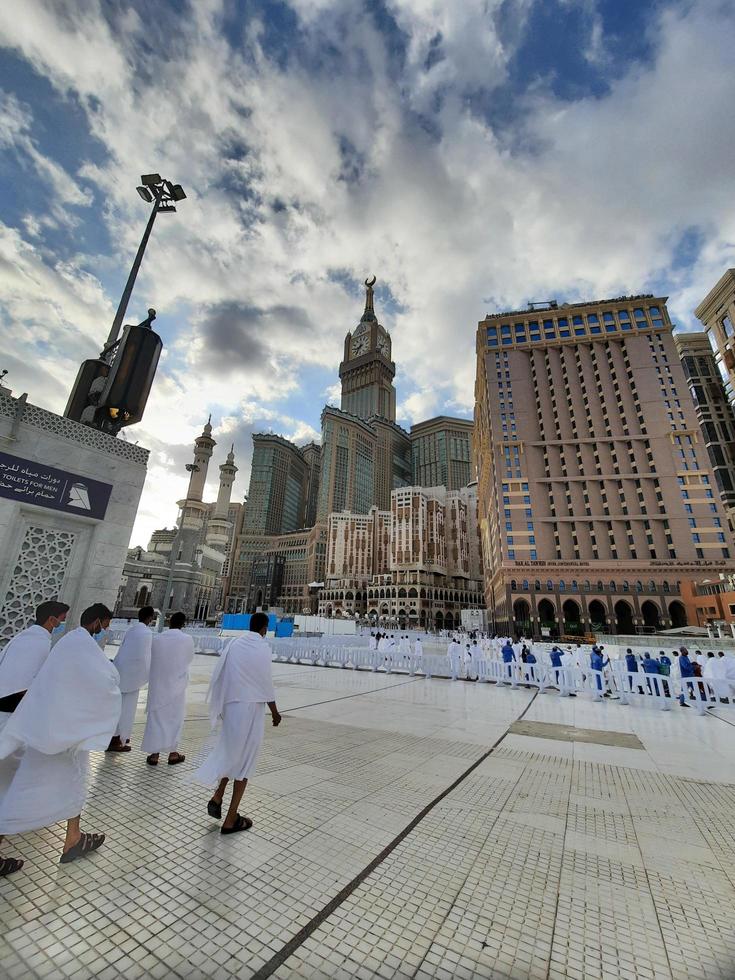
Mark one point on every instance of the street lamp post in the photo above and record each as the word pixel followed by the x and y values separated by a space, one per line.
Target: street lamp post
pixel 163 195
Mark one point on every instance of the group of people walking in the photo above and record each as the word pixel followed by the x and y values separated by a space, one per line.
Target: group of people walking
pixel 57 704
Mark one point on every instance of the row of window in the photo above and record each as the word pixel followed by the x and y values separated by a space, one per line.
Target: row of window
pixel 586 586
pixel 578 325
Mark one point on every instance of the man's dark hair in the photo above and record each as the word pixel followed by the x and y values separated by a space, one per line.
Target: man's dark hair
pixel 97 611
pixel 145 613
pixel 258 621
pixel 48 609
pixel 177 621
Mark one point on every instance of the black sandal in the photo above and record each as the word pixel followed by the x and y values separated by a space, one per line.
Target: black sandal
pixel 152 760
pixel 178 757
pixel 85 845
pixel 9 866
pixel 214 809
pixel 241 823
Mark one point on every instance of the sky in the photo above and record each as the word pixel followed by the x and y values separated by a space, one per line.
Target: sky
pixel 474 156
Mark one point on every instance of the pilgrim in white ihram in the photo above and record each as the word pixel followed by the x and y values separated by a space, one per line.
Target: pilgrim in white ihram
pixel 71 708
pixel 240 690
pixel 171 655
pixel 133 663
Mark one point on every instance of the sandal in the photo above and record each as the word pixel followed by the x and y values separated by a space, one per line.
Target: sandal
pixel 116 745
pixel 241 823
pixel 177 758
pixel 85 845
pixel 214 809
pixel 9 866
pixel 152 760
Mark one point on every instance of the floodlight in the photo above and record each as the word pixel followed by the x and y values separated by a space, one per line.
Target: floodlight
pixel 150 179
pixel 145 194
pixel 177 192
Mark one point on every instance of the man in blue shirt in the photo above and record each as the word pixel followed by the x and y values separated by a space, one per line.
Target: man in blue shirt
pixel 650 666
pixel 509 657
pixel 686 668
pixel 664 668
pixel 597 664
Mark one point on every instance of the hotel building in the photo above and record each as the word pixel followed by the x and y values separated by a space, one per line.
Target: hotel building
pixel 596 494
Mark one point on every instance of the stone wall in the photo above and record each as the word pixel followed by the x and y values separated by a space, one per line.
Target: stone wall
pixel 47 553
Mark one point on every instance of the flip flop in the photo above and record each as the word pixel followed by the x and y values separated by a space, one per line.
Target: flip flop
pixel 178 758
pixel 241 823
pixel 214 809
pixel 119 748
pixel 9 866
pixel 85 845
pixel 152 760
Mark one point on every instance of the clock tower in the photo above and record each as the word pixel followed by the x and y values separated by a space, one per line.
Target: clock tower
pixel 367 370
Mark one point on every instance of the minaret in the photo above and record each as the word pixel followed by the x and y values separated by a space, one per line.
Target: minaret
pixel 203 447
pixel 219 526
pixel 227 473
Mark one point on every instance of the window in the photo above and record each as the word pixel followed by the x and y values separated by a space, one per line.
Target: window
pixel 727 326
pixel 562 585
pixel 534 556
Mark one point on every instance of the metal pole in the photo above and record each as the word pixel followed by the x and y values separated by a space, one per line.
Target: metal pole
pixel 125 298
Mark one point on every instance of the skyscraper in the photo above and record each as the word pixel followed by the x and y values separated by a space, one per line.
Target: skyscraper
pixel 279 479
pixel 595 491
pixel 349 447
pixel 714 412
pixel 717 313
pixel 441 452
pixel 367 370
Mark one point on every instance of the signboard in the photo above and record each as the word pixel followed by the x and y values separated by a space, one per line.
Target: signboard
pixel 35 483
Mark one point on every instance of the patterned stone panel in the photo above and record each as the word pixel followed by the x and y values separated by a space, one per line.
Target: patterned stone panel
pixel 38 574
pixel 83 435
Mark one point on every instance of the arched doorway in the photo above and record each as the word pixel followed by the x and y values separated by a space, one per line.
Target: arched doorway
pixel 522 616
pixel 546 614
pixel 439 620
pixel 624 617
pixel 678 614
pixel 598 616
pixel 651 615
pixel 449 621
pixel 571 613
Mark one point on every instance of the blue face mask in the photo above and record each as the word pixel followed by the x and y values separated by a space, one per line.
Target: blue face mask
pixel 58 630
pixel 101 637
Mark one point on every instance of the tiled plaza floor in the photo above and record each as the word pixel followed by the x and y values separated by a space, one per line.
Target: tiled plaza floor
pixel 551 858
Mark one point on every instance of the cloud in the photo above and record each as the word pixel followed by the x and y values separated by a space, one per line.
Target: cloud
pixel 363 143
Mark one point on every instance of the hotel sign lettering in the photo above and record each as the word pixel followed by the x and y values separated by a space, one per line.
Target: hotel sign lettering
pixel 29 482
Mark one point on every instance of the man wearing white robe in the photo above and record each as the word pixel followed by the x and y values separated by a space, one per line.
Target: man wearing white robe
pixel 133 663
pixel 71 708
pixel 418 648
pixel 240 690
pixel 20 661
pixel 171 655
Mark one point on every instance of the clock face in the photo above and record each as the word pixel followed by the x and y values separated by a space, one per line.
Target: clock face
pixel 360 344
pixel 384 347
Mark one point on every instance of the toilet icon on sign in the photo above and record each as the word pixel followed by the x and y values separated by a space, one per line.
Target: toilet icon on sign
pixel 79 496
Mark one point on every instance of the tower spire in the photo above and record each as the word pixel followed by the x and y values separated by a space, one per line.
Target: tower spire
pixel 369 313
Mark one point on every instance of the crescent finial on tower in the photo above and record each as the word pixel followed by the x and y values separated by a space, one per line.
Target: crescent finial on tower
pixel 369 283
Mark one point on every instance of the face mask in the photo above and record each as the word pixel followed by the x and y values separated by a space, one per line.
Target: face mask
pixel 58 629
pixel 101 637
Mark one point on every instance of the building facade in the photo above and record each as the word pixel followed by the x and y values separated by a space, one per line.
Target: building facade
pixel 416 565
pixel 187 567
pixel 714 412
pixel 717 313
pixel 595 490
pixel 367 371
pixel 441 453
pixel 280 479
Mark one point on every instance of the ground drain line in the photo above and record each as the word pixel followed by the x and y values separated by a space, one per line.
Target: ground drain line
pixel 346 697
pixel 269 968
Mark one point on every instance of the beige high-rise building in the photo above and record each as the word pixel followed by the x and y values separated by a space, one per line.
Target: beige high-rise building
pixel 717 313
pixel 714 412
pixel 441 453
pixel 596 495
pixel 417 564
